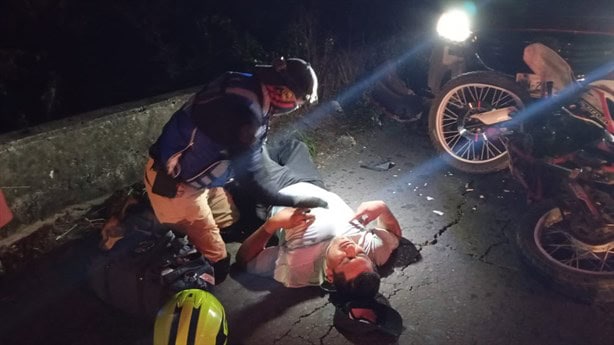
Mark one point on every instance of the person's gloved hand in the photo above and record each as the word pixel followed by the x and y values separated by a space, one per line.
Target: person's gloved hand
pixel 309 202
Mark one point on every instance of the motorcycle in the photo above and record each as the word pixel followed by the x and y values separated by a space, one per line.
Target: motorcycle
pixel 561 150
pixel 556 136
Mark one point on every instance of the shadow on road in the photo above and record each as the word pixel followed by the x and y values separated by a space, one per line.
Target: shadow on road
pixel 49 302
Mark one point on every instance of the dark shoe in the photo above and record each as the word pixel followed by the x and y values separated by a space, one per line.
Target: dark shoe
pixel 221 269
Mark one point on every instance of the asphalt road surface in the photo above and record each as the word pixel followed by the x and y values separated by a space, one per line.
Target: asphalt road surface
pixel 466 287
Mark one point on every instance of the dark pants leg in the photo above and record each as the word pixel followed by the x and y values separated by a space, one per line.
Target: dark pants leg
pixel 287 162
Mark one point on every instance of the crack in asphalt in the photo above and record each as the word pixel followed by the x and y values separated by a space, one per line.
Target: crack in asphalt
pixel 300 318
pixel 397 286
pixel 398 289
pixel 330 328
pixel 411 288
pixel 487 251
pixel 457 219
pixel 482 258
pixel 305 339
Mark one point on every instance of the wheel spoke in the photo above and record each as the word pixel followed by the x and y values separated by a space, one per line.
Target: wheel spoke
pixel 464 149
pixel 471 90
pixel 495 103
pixel 456 101
pixel 604 262
pixel 449 117
pixel 502 145
pixel 483 150
pixel 482 92
pixel 503 99
pixel 490 144
pixel 450 113
pixel 463 97
pixel 455 140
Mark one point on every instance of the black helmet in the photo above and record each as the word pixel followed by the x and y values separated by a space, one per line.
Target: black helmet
pixel 296 74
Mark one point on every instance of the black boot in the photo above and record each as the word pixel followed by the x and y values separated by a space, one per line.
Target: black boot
pixel 220 269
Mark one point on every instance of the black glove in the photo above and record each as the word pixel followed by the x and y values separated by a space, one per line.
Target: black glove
pixel 309 202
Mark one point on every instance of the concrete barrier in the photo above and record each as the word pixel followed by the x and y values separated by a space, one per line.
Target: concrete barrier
pixel 48 168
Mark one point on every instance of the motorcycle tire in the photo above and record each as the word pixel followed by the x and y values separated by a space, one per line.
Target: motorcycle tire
pixel 471 134
pixel 580 284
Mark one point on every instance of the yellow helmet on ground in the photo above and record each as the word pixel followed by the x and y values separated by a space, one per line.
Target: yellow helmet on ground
pixel 191 317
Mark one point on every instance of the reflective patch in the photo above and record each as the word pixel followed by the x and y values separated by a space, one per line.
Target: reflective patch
pixel 210 174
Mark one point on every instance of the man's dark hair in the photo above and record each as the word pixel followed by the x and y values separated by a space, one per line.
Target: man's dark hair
pixel 364 286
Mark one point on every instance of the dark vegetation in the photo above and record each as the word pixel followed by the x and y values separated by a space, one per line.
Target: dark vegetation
pixel 59 58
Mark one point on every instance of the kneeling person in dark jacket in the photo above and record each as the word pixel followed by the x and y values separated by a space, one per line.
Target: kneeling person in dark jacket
pixel 218 135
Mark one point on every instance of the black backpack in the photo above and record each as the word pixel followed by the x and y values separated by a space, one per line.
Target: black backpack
pixel 147 266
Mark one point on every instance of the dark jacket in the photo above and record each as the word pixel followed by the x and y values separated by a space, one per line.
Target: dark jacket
pixel 206 135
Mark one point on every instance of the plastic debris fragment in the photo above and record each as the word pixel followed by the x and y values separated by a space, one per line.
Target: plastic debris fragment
pixel 383 166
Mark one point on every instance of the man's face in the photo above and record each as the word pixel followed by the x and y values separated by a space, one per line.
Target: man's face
pixel 345 256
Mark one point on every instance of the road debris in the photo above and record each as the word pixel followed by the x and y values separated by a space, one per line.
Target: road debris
pixel 439 213
pixel 346 141
pixel 429 198
pixel 382 166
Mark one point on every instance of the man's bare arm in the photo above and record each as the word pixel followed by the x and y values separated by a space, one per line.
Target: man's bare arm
pixel 254 244
pixel 297 219
pixel 377 209
pixel 388 221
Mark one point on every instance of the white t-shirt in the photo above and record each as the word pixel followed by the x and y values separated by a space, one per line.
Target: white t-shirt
pixel 298 262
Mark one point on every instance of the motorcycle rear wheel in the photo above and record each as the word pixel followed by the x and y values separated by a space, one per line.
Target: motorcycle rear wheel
pixel 564 262
pixel 466 144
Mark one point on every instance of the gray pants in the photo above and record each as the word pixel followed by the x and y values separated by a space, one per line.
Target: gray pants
pixel 288 162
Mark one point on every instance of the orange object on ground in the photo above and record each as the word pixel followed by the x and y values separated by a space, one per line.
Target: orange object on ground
pixel 5 212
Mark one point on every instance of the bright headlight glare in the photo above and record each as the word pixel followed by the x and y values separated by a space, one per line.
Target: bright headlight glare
pixel 454 25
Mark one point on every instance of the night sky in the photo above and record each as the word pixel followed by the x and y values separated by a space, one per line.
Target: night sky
pixel 59 58
pixel 63 57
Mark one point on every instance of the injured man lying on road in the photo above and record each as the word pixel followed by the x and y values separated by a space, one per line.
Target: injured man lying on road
pixel 323 244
